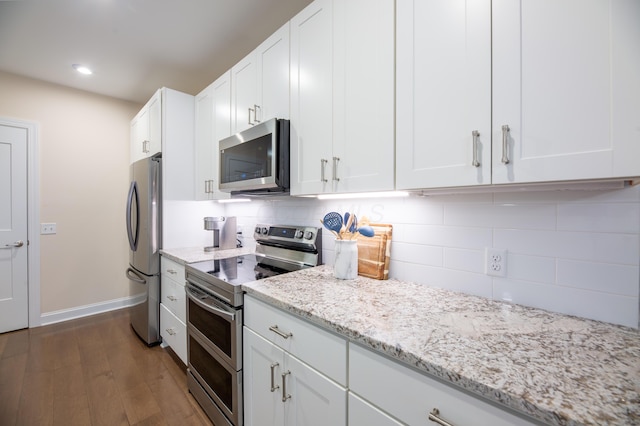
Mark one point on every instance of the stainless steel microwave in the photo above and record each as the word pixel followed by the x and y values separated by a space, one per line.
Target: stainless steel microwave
pixel 256 161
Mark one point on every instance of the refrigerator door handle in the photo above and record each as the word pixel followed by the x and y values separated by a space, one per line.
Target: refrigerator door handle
pixel 133 239
pixel 134 276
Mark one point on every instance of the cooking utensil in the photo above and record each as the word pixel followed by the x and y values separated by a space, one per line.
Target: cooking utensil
pixel 354 224
pixel 367 231
pixel 333 222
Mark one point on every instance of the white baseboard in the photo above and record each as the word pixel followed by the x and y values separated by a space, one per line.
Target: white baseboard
pixel 85 311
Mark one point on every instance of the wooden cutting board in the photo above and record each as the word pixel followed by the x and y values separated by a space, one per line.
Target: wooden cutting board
pixel 373 252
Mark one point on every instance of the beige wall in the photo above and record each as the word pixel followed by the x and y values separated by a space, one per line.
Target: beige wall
pixel 84 174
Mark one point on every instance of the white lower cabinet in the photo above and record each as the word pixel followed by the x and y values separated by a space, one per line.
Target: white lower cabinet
pixel 173 332
pixel 173 307
pixel 294 372
pixel 363 413
pixel 279 389
pixel 411 396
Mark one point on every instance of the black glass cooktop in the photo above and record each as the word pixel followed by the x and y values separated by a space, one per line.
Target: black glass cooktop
pixel 240 269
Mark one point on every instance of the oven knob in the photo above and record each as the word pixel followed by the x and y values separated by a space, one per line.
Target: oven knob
pixel 264 230
pixel 299 233
pixel 257 230
pixel 308 235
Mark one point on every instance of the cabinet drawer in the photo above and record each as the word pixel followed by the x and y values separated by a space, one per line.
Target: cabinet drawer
pixel 363 413
pixel 410 396
pixel 172 270
pixel 173 332
pixel 322 349
pixel 173 298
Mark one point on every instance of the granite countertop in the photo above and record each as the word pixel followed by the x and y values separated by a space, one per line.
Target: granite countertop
pixel 197 254
pixel 558 369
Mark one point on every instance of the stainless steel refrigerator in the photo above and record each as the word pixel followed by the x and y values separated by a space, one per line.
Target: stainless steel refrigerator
pixel 144 231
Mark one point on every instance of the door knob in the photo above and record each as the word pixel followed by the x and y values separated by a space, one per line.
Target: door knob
pixel 18 243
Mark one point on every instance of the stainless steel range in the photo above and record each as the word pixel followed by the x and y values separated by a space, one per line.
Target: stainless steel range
pixel 214 312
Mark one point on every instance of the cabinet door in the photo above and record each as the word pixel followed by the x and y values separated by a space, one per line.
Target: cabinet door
pixel 315 399
pixel 311 99
pixel 155 124
pixel 212 123
pixel 443 93
pixel 565 82
pixel 244 93
pixel 140 135
pixel 272 58
pixel 204 143
pixel 263 362
pixel 363 95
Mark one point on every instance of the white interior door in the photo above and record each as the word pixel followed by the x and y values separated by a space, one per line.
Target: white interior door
pixel 14 312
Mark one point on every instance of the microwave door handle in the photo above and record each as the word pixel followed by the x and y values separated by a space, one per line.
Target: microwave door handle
pixel 210 308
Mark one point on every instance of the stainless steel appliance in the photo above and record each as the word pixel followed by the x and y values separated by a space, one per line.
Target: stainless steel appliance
pixel 143 223
pixel 225 232
pixel 256 161
pixel 214 313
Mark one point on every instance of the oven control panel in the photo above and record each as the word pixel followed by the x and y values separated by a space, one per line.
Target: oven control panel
pixel 286 233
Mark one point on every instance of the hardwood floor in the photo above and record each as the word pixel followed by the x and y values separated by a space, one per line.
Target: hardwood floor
pixel 91 371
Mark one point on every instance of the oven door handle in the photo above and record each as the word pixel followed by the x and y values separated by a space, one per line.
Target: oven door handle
pixel 214 308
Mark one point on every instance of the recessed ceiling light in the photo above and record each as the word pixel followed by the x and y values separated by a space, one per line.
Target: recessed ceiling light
pixel 82 69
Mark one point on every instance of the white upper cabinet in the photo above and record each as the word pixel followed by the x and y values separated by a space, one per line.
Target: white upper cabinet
pixel 342 97
pixel 311 99
pixel 212 123
pixel 260 83
pixel 443 93
pixel 516 91
pixel 146 129
pixel 565 82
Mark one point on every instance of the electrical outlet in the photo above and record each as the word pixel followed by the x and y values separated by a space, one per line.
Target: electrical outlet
pixel 47 228
pixel 496 262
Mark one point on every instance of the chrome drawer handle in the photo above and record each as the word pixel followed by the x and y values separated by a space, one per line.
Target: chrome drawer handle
pixel 323 162
pixel 475 162
pixel 172 271
pixel 434 417
pixel 280 333
pixel 171 331
pixel 505 147
pixel 335 169
pixel 172 298
pixel 284 387
pixel 273 385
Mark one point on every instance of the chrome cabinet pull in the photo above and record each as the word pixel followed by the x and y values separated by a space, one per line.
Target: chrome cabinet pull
pixel 172 298
pixel 145 146
pixel 280 333
pixel 335 169
pixel 18 243
pixel 255 113
pixel 171 331
pixel 250 123
pixel 284 387
pixel 505 137
pixel 273 385
pixel 434 417
pixel 172 271
pixel 323 163
pixel 475 162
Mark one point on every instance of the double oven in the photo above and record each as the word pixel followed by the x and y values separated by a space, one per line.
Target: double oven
pixel 215 317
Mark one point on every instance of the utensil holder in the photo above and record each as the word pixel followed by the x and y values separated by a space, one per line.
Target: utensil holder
pixel 345 266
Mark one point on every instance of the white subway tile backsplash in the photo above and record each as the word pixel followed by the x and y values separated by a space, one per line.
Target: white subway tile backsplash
pixel 531 268
pixel 596 247
pixel 622 217
pixel 464 260
pixel 417 253
pixel 604 277
pixel 572 301
pixel 574 252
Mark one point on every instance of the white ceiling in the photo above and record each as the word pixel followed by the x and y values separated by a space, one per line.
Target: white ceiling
pixel 135 46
